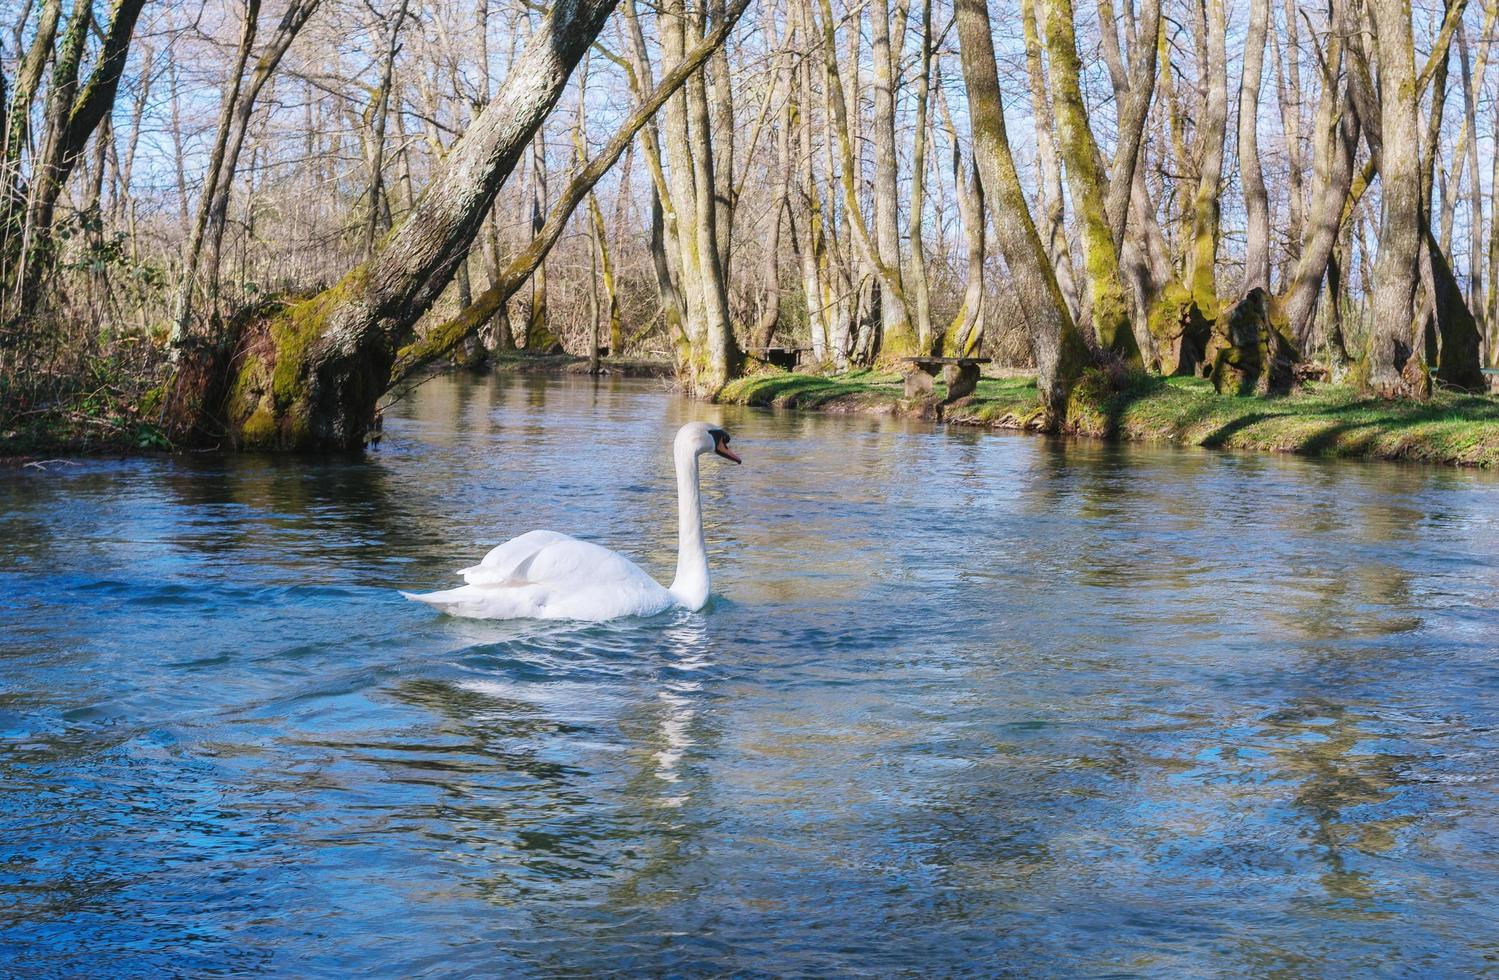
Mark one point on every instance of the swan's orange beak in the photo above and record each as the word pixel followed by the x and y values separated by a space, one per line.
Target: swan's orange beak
pixel 721 447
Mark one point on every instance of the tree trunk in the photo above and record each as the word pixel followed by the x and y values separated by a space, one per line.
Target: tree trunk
pixel 526 263
pixel 969 193
pixel 16 135
pixel 848 170
pixel 717 359
pixel 770 312
pixel 1393 366
pixel 918 287
pixel 1109 300
pixel 897 339
pixel 74 112
pixel 1256 201
pixel 1056 345
pixel 1288 88
pixel 214 174
pixel 1053 222
pixel 1202 258
pixel 381 109
pixel 308 375
pixel 292 22
pixel 1337 135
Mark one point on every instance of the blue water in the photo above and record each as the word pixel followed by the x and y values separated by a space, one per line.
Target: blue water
pixel 967 703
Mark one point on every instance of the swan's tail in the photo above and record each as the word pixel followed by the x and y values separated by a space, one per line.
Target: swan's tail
pixel 480 602
pixel 448 600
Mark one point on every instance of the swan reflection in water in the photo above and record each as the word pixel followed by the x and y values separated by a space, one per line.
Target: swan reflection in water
pixel 687 653
pixel 560 690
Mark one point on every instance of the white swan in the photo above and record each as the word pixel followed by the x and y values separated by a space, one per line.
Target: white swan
pixel 547 575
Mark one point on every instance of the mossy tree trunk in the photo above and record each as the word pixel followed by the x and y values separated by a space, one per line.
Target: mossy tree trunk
pixel 839 103
pixel 1058 348
pixel 1202 256
pixel 1049 168
pixel 308 376
pixel 917 284
pixel 16 131
pixel 1108 297
pixel 717 356
pixel 969 317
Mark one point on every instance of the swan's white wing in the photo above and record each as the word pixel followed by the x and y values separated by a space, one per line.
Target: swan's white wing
pixel 546 575
pixel 499 567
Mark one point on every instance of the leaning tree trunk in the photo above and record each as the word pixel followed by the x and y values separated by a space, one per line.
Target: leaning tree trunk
pixel 307 375
pixel 74 112
pixel 446 337
pixel 1336 131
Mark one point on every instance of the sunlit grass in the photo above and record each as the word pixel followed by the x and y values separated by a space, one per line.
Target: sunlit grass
pixel 1320 420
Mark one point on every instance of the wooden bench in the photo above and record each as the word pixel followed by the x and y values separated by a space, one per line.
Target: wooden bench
pixel 960 373
pixel 782 357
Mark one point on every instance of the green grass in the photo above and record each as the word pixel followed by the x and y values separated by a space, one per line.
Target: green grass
pixel 853 391
pixel 1320 420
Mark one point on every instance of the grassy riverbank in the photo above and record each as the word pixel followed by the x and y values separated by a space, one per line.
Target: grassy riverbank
pixel 1322 420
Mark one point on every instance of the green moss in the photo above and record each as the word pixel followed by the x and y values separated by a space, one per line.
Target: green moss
pixel 260 428
pixel 295 329
pixel 1180 329
pixel 897 342
pixel 446 337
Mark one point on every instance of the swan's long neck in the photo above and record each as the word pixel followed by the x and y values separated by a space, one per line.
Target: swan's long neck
pixel 691 584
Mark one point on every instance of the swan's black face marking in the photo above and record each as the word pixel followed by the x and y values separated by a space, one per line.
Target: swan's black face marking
pixel 721 445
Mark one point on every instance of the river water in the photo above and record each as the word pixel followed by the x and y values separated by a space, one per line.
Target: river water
pixel 965 703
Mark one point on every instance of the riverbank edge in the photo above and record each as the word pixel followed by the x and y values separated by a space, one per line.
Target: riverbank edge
pixel 522 363
pixel 1321 420
pixel 1324 421
pixel 120 426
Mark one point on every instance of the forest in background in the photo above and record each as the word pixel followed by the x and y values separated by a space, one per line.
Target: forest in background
pixel 243 223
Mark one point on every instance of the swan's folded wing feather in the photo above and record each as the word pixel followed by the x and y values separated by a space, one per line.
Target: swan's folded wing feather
pixel 508 564
pixel 582 564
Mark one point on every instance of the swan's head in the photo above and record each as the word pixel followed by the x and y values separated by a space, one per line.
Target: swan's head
pixel 700 438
